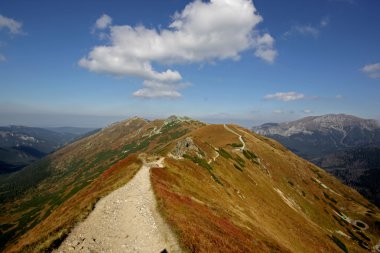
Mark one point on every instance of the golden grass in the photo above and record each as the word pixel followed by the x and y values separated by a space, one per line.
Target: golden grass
pixel 246 213
pixel 273 204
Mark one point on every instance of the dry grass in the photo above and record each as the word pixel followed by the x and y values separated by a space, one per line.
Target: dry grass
pixel 55 228
pixel 251 209
pixel 246 213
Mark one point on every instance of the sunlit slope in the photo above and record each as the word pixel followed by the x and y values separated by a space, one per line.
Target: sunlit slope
pixel 40 204
pixel 260 199
pixel 223 189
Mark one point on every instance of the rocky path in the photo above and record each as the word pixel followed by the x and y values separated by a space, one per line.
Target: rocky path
pixel 240 137
pixel 124 221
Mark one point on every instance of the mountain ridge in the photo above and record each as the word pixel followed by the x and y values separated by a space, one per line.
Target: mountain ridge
pixel 320 135
pixel 230 191
pixel 342 144
pixel 22 145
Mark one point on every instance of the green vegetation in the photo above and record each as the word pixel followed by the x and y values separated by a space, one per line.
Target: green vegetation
pixel 251 156
pixel 329 198
pixel 316 172
pixel 172 136
pixel 4 227
pixel 240 161
pixel 104 156
pixel 236 145
pixel 238 167
pixel 224 153
pixel 339 220
pixel 364 236
pixel 21 181
pixel 339 243
pixel 201 162
pixel 170 126
pixel 133 147
pixel 355 238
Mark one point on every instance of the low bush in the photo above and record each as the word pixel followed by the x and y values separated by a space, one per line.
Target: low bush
pixel 339 243
pixel 224 153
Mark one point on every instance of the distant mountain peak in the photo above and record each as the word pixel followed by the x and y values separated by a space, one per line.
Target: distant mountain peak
pixel 325 123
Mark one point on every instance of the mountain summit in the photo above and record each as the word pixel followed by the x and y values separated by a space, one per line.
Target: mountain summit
pixel 217 188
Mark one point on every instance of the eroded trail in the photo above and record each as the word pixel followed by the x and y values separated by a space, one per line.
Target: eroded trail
pixel 240 137
pixel 124 221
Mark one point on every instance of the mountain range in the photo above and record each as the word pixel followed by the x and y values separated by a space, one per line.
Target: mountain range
pixel 219 188
pixel 21 145
pixel 345 145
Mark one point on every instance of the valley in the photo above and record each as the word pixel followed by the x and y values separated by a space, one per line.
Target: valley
pixel 21 146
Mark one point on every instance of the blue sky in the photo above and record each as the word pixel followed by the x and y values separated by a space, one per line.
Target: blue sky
pixel 88 63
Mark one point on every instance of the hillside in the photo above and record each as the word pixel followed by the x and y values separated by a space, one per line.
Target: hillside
pixel 221 189
pixel 356 167
pixel 344 145
pixel 21 145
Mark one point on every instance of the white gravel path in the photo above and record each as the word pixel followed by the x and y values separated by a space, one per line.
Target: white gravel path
pixel 240 137
pixel 124 221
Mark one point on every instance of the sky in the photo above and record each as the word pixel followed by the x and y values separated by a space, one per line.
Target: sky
pixel 92 62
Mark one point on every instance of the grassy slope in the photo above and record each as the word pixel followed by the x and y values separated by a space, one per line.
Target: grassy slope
pixel 44 205
pixel 244 212
pixel 52 230
pixel 33 194
pixel 230 205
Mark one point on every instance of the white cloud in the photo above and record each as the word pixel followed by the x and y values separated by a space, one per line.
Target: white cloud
pixel 103 22
pixel 301 29
pixel 156 89
pixel 12 25
pixel 265 48
pixel 325 21
pixel 278 111
pixel 372 70
pixel 285 96
pixel 307 111
pixel 307 29
pixel 201 32
pixel 2 58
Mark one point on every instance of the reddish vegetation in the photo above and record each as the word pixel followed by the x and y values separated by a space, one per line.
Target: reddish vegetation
pixel 54 228
pixel 268 201
pixel 245 212
pixel 118 167
pixel 202 229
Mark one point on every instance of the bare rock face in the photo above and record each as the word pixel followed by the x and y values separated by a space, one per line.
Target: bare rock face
pixel 184 146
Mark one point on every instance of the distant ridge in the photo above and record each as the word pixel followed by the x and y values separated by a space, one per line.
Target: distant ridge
pixel 345 145
pixel 319 135
pixel 22 145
